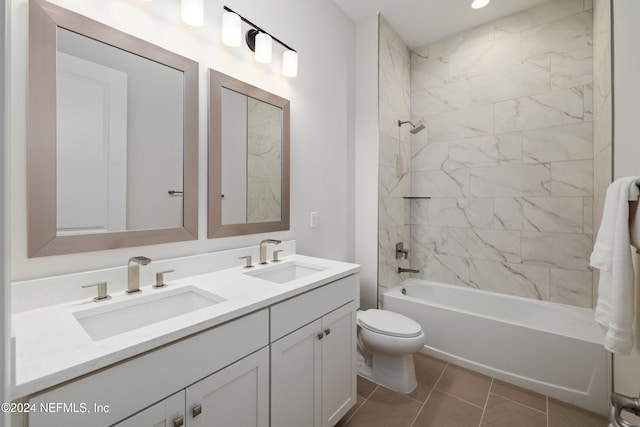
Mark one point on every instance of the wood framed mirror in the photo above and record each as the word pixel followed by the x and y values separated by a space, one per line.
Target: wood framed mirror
pixel 248 158
pixel 112 146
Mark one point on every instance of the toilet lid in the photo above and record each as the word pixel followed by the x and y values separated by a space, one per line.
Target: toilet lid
pixel 389 323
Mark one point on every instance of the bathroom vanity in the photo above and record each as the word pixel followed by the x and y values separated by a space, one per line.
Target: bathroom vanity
pixel 269 345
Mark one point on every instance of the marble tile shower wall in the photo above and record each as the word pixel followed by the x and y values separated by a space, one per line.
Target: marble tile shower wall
pixel 508 155
pixel 264 160
pixel 395 153
pixel 602 116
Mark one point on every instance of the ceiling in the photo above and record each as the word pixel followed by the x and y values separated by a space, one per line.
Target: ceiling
pixel 420 22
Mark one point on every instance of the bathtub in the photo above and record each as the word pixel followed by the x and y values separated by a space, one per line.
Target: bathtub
pixel 550 348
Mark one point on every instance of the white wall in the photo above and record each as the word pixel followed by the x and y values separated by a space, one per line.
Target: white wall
pixel 4 275
pixel 366 166
pixel 626 153
pixel 322 117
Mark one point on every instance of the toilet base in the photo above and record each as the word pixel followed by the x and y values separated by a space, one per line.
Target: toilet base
pixel 393 372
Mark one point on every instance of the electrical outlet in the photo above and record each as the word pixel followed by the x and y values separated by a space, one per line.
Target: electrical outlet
pixel 313 220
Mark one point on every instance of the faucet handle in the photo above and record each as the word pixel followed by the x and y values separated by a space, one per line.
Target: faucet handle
pixel 275 255
pixel 102 291
pixel 160 279
pixel 248 258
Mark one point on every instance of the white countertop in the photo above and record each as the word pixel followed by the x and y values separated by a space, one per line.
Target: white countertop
pixel 51 347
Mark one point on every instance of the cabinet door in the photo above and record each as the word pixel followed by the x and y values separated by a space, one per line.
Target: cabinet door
pixel 295 378
pixel 338 363
pixel 236 396
pixel 166 413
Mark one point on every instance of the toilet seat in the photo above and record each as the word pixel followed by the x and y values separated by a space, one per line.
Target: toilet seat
pixel 389 323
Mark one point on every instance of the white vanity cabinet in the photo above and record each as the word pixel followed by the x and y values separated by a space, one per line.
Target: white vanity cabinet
pixel 238 396
pixel 168 412
pixel 291 363
pixel 313 354
pixel 228 377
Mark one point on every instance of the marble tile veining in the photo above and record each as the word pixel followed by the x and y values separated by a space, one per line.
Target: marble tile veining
pixel 518 116
pixel 394 178
pixel 562 35
pixel 538 111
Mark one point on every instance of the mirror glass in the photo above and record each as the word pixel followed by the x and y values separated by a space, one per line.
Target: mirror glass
pixel 119 139
pixel 248 165
pixel 112 144
pixel 252 144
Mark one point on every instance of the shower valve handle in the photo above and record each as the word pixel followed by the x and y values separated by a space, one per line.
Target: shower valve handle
pixel 401 251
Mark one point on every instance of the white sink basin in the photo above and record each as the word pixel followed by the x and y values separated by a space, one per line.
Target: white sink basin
pixel 285 272
pixel 106 321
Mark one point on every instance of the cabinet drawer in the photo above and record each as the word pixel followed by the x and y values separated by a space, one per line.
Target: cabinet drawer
pixel 295 312
pixel 137 383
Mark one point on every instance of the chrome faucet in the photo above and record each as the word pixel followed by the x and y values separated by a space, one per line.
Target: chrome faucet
pixel 263 249
pixel 133 283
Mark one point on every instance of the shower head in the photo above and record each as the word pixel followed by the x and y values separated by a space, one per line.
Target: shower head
pixel 415 129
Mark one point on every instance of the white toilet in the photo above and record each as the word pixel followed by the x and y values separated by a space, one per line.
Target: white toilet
pixel 386 343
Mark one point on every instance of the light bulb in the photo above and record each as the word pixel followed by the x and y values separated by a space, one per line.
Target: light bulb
pixel 263 48
pixel 231 29
pixel 477 4
pixel 290 63
pixel 192 12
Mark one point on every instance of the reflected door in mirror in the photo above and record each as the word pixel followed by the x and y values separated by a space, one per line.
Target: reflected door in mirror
pixel 91 126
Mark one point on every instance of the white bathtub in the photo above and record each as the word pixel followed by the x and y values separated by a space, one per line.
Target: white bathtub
pixel 550 348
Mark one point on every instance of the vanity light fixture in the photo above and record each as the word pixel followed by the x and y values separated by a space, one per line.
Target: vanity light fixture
pixel 290 63
pixel 192 12
pixel 258 40
pixel 262 46
pixel 231 29
pixel 478 4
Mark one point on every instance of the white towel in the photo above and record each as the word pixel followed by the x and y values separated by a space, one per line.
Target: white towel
pixel 612 256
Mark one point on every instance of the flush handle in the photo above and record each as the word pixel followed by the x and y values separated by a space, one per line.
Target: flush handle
pixel 327 332
pixel 321 335
pixel 178 422
pixel 197 410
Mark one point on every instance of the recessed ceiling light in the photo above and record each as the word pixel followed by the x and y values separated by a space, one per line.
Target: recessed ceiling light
pixel 477 4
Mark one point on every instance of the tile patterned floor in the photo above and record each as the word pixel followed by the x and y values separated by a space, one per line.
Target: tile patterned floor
pixel 450 396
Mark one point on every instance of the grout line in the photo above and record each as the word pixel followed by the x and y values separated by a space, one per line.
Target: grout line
pixel 363 402
pixel 475 405
pixel 486 402
pixel 546 400
pixel 429 395
pixel 520 403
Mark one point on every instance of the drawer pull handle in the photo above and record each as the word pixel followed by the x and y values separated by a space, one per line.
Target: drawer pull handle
pixel 320 335
pixel 327 331
pixel 197 410
pixel 178 422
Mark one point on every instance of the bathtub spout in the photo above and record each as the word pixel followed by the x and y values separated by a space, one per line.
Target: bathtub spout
pixel 407 270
